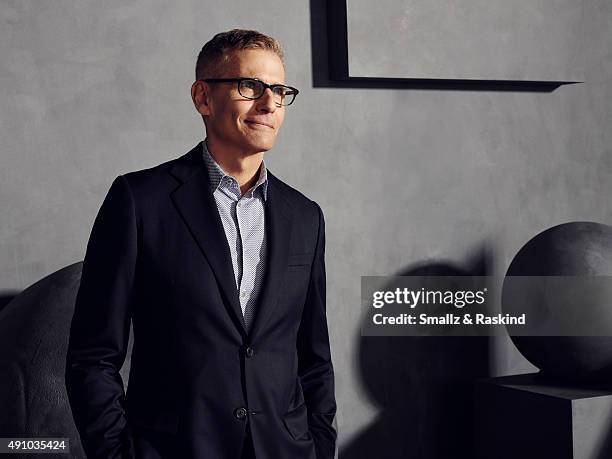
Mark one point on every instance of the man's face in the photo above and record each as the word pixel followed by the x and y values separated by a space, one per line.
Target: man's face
pixel 239 124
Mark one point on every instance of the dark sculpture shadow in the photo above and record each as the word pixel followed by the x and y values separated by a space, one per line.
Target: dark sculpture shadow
pixel 423 387
pixel 329 49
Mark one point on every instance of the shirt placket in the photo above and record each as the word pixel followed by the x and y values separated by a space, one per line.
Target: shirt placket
pixel 241 223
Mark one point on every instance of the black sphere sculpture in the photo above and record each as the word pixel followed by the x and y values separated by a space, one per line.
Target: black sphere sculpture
pixel 570 249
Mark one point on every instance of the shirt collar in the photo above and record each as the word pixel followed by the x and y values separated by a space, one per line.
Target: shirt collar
pixel 216 174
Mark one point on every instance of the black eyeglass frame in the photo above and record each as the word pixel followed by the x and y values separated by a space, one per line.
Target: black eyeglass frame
pixel 265 85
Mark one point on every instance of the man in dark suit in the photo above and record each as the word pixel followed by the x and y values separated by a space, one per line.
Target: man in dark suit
pixel 220 267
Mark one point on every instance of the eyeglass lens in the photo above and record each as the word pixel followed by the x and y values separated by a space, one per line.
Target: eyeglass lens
pixel 253 89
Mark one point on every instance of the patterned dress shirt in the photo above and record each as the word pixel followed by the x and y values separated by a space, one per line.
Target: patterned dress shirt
pixel 244 224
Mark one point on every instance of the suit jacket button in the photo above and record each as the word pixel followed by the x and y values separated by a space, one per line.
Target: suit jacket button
pixel 240 413
pixel 249 352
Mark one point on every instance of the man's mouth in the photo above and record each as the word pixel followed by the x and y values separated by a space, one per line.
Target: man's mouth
pixel 261 124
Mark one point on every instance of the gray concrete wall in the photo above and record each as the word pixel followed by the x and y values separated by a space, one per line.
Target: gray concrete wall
pixel 90 90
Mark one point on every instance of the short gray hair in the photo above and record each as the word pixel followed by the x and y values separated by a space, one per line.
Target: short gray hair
pixel 216 51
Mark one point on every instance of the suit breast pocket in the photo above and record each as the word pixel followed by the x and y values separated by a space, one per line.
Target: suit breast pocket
pixel 299 259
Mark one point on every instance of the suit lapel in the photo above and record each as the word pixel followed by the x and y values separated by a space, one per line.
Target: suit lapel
pixel 278 235
pixel 196 204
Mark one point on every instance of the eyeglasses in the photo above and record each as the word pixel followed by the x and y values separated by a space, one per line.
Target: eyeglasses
pixel 252 88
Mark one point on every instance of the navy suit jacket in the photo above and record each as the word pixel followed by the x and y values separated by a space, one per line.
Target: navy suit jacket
pixel 158 256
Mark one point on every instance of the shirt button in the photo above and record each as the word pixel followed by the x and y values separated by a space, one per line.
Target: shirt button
pixel 249 352
pixel 243 294
pixel 240 413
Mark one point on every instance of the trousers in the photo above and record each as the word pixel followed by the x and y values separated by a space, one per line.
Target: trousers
pixel 155 445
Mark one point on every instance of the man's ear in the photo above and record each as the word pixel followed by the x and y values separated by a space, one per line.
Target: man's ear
pixel 200 95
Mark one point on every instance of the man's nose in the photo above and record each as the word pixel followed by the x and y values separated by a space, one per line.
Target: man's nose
pixel 266 102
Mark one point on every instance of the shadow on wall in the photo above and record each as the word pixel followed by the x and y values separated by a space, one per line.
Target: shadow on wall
pixel 422 386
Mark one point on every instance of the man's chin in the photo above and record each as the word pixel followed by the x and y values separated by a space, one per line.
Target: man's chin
pixel 259 146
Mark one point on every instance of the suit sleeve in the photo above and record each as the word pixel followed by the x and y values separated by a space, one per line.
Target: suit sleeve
pixel 100 328
pixel 314 357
